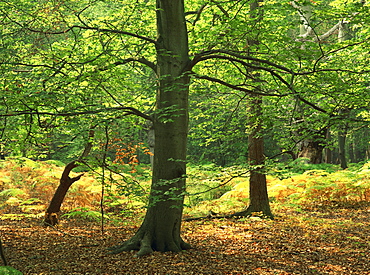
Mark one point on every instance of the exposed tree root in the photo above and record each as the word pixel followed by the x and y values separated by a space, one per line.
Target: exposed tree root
pixel 240 214
pixel 51 219
pixel 145 244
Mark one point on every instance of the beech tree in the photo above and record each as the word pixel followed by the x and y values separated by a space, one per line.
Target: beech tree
pixel 97 58
pixel 160 230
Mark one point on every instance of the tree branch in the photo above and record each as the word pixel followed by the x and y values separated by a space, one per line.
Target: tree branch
pixel 141 60
pixel 239 56
pixel 99 30
pixel 232 86
pixel 128 111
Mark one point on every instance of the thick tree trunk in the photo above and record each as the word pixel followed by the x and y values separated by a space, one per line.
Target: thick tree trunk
pixel 313 148
pixel 160 230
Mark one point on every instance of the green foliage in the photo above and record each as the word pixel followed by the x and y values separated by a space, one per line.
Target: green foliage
pixel 59 82
pixel 15 192
pixel 8 270
pixel 299 166
pixel 319 187
pixel 205 183
pixel 56 162
pixel 84 213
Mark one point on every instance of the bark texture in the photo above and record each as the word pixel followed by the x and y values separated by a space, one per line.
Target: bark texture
pixel 258 196
pixel 2 253
pixel 52 212
pixel 311 149
pixel 160 230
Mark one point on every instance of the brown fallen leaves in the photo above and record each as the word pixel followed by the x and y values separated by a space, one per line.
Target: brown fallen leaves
pixel 334 241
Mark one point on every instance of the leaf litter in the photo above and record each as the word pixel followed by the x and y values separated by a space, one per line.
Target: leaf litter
pixel 319 241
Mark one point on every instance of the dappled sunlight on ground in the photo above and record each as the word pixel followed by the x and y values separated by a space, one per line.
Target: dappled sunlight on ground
pixel 318 242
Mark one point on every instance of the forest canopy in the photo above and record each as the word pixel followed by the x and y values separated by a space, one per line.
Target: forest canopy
pixel 252 86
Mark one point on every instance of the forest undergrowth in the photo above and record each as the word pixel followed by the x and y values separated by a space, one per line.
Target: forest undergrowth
pixel 321 225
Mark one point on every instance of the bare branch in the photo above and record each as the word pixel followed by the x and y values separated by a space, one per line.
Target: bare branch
pixel 329 32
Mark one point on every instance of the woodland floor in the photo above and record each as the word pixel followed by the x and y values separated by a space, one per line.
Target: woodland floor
pixel 319 241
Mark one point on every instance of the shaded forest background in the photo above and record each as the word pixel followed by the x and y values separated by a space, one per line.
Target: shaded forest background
pixel 122 118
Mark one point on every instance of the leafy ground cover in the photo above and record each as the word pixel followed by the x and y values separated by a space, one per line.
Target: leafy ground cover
pixel 322 224
pixel 322 241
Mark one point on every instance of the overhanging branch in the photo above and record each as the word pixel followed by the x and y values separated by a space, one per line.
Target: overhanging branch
pixel 232 86
pixel 127 110
pixel 141 60
pixel 141 37
pixel 238 57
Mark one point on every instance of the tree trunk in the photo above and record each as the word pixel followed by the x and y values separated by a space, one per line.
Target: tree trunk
pixel 259 201
pixel 312 150
pixel 258 196
pixel 160 230
pixel 151 142
pixel 351 151
pixel 328 151
pixel 341 148
pixel 53 211
pixel 2 253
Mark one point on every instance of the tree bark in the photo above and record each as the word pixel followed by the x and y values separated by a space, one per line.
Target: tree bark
pixel 328 151
pixel 258 196
pixel 311 149
pixel 2 253
pixel 53 210
pixel 160 230
pixel 342 135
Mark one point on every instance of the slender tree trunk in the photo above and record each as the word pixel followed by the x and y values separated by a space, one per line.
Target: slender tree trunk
pixel 328 151
pixel 53 210
pixel 342 134
pixel 160 230
pixel 259 201
pixel 258 196
pixel 351 151
pixel 343 34
pixel 151 142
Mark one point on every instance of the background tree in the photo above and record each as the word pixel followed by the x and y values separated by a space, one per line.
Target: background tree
pixel 106 61
pixel 52 212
